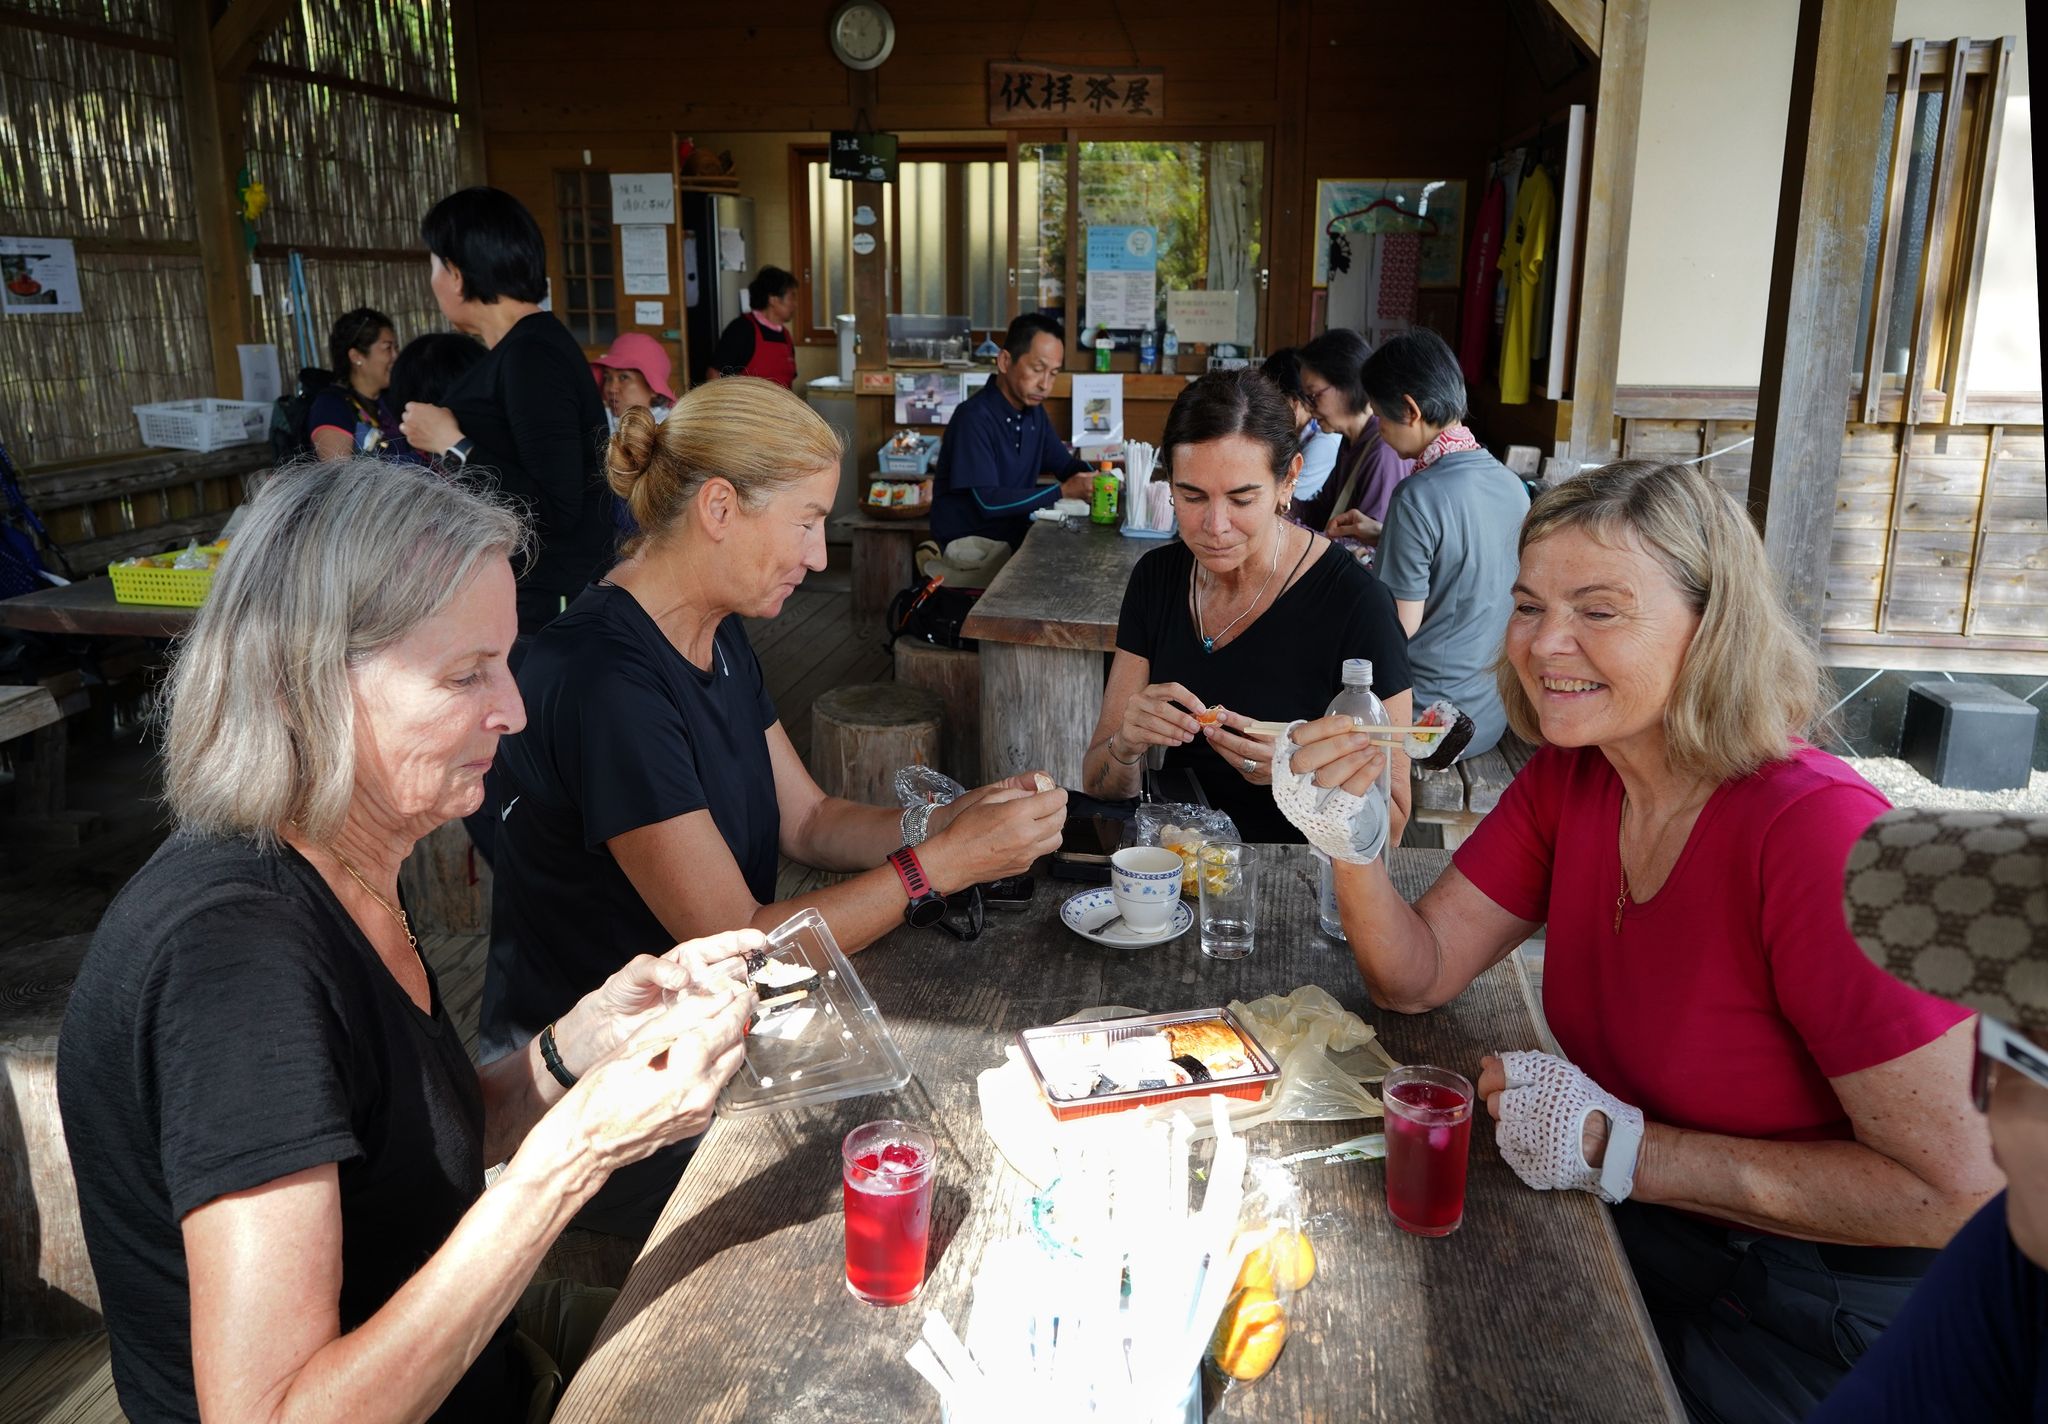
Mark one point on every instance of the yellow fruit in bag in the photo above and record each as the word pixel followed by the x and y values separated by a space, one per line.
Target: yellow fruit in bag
pixel 1287 1262
pixel 1249 1336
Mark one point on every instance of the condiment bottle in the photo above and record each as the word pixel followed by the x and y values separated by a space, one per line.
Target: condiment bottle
pixel 1169 352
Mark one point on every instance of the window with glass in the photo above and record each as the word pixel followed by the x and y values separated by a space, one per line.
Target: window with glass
pixel 1923 239
pixel 945 221
pixel 587 300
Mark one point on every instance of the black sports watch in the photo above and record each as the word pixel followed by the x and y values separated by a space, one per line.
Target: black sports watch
pixel 927 906
pixel 459 451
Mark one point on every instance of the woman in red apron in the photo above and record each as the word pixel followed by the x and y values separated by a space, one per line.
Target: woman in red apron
pixel 758 342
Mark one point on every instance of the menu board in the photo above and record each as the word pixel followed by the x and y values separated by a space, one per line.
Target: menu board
pixel 1123 276
pixel 863 157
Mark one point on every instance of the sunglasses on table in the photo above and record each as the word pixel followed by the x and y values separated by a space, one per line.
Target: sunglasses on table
pixel 965 915
pixel 2002 1044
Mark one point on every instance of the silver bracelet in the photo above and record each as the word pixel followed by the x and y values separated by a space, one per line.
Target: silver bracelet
pixel 1110 747
pixel 916 823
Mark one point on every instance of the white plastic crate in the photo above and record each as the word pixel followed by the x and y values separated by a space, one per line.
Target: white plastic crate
pixel 202 425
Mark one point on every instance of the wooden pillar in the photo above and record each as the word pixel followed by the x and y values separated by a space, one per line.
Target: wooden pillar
pixel 1291 193
pixel 1838 82
pixel 1611 187
pixel 213 137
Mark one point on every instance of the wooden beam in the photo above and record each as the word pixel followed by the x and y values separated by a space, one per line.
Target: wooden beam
pixel 240 32
pixel 1963 333
pixel 20 18
pixel 1831 147
pixel 213 136
pixel 1934 250
pixel 1290 195
pixel 1894 209
pixel 1610 188
pixel 1586 19
pixel 265 69
pixel 868 274
pixel 469 112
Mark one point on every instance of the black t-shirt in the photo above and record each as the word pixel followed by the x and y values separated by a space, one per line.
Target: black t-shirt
pixel 622 731
pixel 1288 663
pixel 539 431
pixel 231 1026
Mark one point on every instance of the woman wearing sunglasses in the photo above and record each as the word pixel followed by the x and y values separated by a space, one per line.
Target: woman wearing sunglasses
pixel 654 785
pixel 1957 904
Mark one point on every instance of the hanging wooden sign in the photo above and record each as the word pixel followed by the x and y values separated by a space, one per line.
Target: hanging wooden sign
pixel 1021 94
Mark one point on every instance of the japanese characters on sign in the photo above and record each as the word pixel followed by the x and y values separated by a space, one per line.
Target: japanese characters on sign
pixel 1068 96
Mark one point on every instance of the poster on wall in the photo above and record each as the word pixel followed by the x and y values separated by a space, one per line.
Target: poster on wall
pixel 1098 407
pixel 38 276
pixel 1123 276
pixel 1359 209
pixel 927 397
pixel 1202 318
pixel 643 258
pixel 643 198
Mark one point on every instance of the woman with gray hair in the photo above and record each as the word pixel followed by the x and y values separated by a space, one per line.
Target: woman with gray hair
pixel 278 1138
pixel 1784 1130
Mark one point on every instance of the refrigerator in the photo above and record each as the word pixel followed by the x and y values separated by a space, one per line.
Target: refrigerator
pixel 718 261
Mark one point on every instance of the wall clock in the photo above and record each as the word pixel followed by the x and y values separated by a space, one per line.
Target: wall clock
pixel 862 34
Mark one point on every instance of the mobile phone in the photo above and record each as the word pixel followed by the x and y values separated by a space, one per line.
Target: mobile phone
pixel 1008 892
pixel 1086 844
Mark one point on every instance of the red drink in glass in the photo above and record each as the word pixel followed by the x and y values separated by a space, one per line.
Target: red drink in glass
pixel 1429 1129
pixel 886 1174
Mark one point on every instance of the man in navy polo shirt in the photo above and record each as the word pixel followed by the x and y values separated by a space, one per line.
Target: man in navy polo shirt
pixel 999 442
pixel 1957 904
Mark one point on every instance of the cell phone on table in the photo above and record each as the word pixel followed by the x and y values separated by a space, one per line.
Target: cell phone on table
pixel 1086 844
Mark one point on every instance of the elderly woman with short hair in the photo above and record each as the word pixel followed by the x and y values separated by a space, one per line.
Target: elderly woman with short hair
pixel 278 1138
pixel 1784 1127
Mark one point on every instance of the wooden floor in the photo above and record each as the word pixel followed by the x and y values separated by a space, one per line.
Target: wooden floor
pixel 809 648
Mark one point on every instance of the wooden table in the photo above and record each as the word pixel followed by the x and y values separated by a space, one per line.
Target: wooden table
pixel 1043 626
pixel 26 709
pixel 88 606
pixel 737 1309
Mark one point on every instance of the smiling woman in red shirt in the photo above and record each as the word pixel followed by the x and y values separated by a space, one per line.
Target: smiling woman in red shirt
pixel 1784 1129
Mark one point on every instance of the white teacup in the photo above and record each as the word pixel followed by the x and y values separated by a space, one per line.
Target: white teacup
pixel 1146 883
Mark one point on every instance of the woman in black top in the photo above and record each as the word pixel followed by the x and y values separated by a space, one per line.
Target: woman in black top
pixel 278 1138
pixel 1249 612
pixel 527 418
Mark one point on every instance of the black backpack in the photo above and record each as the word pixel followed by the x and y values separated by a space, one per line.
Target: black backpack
pixel 930 611
pixel 288 415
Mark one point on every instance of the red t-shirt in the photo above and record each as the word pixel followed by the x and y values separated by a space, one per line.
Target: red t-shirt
pixel 1729 999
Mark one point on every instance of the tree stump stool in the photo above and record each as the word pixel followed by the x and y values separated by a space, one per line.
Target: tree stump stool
pixel 955 675
pixel 884 559
pixel 446 884
pixel 46 1281
pixel 860 735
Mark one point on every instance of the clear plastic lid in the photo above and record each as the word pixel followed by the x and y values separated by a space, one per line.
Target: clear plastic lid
pixel 817 1036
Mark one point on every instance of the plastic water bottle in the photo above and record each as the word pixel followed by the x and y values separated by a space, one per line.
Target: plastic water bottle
pixel 1356 700
pixel 1148 352
pixel 1169 352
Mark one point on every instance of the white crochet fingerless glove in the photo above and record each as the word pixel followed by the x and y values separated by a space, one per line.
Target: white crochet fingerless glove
pixel 1340 825
pixel 1542 1127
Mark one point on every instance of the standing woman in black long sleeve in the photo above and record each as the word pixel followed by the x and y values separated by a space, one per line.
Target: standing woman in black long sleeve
pixel 527 419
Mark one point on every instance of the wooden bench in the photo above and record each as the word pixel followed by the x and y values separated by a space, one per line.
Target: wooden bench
pixel 1456 799
pixel 883 562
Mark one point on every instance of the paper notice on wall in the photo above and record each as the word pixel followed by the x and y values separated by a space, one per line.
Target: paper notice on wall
pixel 1098 416
pixel 643 198
pixel 732 250
pixel 38 275
pixel 1202 318
pixel 262 378
pixel 1123 276
pixel 647 313
pixel 643 257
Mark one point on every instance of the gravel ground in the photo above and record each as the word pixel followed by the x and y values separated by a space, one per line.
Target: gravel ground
pixel 1907 787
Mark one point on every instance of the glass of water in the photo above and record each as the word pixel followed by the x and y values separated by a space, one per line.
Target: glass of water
pixel 1227 878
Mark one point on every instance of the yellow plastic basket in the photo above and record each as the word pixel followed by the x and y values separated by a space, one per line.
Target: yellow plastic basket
pixel 180 588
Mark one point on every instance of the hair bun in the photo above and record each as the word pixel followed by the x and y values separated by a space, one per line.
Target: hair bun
pixel 632 450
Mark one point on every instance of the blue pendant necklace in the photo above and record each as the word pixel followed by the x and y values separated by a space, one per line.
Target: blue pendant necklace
pixel 1195 588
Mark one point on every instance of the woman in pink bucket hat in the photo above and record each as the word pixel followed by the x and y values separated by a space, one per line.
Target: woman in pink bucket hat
pixel 634 372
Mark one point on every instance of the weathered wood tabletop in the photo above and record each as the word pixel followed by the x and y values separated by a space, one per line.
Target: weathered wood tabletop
pixel 88 606
pixel 26 709
pixel 737 1309
pixel 1062 589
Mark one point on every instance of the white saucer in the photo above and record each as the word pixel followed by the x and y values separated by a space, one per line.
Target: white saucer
pixel 1085 912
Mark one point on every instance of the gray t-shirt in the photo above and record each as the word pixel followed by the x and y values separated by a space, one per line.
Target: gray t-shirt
pixel 1450 543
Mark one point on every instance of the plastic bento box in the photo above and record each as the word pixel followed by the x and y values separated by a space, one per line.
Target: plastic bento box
pixel 818 1036
pixel 1110 1065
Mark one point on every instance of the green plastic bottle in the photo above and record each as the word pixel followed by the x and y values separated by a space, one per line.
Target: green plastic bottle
pixel 1103 495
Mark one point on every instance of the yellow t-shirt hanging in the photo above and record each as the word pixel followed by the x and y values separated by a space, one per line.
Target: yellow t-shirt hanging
pixel 1521 258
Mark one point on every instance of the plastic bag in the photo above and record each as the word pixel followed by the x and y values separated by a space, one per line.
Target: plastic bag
pixel 1255 1324
pixel 926 786
pixel 194 557
pixel 1183 829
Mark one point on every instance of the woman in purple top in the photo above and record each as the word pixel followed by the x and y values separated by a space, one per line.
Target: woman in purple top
pixel 1352 503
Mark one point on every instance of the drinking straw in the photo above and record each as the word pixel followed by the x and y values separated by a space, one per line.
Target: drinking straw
pixel 927 1364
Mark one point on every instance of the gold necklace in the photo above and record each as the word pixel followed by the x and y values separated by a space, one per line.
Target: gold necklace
pixel 390 909
pixel 1621 900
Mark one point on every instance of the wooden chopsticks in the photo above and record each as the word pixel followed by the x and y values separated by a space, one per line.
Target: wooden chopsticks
pixel 1376 733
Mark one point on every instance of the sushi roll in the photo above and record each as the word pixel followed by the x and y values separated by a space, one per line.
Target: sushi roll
pixel 1434 750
